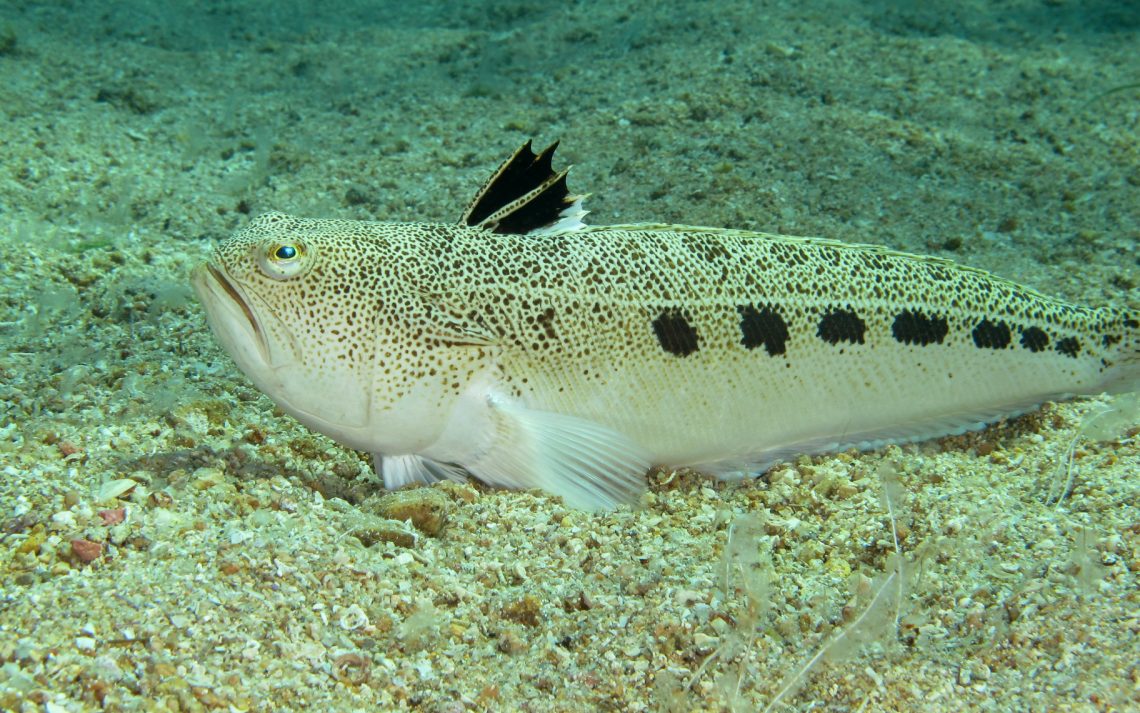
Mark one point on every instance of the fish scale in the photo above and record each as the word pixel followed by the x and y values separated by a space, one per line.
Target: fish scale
pixel 531 350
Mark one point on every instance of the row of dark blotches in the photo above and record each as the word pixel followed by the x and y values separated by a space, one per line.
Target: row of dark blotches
pixel 763 326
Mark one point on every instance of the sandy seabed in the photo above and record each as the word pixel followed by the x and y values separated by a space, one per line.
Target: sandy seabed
pixel 168 541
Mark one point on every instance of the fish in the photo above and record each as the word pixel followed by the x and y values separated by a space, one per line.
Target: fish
pixel 530 350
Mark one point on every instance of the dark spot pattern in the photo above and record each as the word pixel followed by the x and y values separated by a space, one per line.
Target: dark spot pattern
pixel 763 327
pixel 546 320
pixel 578 302
pixel 1034 339
pixel 1069 346
pixel 706 247
pixel 991 335
pixel 916 328
pixel 841 325
pixel 674 333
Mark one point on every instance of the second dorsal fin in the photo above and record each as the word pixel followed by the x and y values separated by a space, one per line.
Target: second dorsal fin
pixel 525 195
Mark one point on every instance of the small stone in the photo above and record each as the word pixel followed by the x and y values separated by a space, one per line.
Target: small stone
pixel 116 488
pixel 353 618
pixel 31 545
pixel 118 534
pixel 510 643
pixel 426 508
pixel 704 641
pixel 459 491
pixel 206 478
pixel 17 680
pixel 371 530
pixel 86 551
pixel 525 611
pixel 112 517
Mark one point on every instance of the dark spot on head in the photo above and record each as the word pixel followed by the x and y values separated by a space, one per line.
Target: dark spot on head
pixel 991 335
pixel 841 325
pixel 916 328
pixel 675 333
pixel 1034 339
pixel 1069 346
pixel 1110 339
pixel 763 327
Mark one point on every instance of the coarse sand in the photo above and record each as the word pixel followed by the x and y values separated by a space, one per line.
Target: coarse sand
pixel 170 542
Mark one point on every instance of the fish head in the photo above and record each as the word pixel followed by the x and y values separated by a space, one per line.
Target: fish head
pixel 290 304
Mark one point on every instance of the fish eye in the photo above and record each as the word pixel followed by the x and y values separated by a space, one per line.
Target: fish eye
pixel 286 252
pixel 282 261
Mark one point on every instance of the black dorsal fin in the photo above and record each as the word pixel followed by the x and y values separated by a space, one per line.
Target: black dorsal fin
pixel 525 195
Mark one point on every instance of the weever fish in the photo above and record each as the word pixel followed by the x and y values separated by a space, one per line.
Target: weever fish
pixel 533 351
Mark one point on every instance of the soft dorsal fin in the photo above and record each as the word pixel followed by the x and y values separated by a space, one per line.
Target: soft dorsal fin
pixel 525 195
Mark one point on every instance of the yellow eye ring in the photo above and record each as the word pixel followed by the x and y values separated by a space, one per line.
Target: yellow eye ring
pixel 285 252
pixel 283 261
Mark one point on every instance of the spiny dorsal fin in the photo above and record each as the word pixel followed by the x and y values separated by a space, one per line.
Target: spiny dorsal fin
pixel 525 195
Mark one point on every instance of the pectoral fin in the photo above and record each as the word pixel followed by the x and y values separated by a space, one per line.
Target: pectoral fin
pixel 590 466
pixel 398 471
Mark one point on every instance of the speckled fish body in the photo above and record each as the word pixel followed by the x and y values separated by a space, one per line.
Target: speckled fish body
pixel 533 351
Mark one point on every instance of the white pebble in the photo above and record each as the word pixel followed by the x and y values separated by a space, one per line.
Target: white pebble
pixel 113 489
pixel 353 617
pixel 64 518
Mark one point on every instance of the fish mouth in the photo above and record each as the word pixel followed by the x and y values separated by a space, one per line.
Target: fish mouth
pixel 236 296
pixel 215 288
